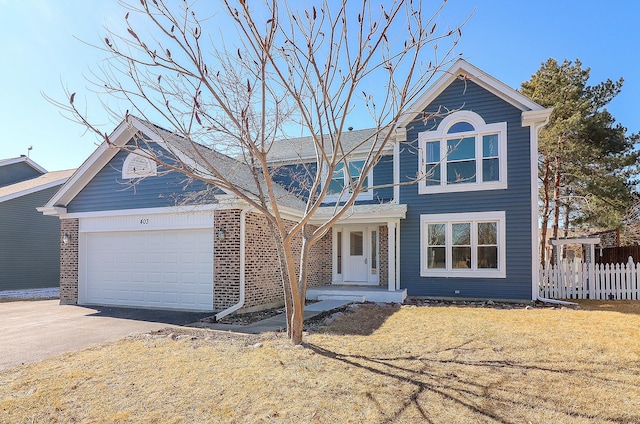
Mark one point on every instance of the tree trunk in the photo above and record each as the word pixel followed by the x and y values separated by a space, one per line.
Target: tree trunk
pixel 545 212
pixel 295 315
pixel 556 201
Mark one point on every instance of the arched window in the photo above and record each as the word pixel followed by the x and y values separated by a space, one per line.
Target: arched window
pixel 139 164
pixel 463 154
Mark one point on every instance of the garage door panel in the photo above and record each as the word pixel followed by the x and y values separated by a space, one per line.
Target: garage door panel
pixel 164 269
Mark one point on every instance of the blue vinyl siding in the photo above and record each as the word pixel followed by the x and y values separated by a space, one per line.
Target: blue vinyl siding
pixel 515 201
pixel 29 243
pixel 17 172
pixel 296 179
pixel 108 191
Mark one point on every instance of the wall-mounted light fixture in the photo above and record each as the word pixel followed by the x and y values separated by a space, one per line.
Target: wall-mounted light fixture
pixel 220 233
pixel 66 239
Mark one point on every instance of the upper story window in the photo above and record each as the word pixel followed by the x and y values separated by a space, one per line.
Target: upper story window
pixel 138 164
pixel 463 154
pixel 340 183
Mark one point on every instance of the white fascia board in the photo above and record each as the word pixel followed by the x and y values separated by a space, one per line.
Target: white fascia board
pixel 536 117
pixel 156 211
pixel 53 211
pixel 27 160
pixel 362 214
pixel 463 68
pixel 32 190
pixel 96 161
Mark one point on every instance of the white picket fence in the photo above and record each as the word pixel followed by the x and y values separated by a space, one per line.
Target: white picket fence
pixel 591 281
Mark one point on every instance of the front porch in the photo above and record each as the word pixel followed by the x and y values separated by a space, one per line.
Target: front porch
pixel 356 293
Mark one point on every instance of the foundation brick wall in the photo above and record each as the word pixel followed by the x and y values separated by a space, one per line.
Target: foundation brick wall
pixel 226 259
pixel 320 265
pixel 263 278
pixel 69 262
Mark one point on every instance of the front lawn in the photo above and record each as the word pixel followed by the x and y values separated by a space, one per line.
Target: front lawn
pixel 409 364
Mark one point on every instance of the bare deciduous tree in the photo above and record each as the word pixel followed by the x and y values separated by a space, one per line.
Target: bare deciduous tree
pixel 252 73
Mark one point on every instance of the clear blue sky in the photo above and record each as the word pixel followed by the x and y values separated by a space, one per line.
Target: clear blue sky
pixel 509 39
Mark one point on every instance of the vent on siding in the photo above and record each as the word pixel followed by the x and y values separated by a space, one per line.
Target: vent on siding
pixel 138 164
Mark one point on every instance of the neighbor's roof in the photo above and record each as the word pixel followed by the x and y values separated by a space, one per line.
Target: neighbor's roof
pixel 50 179
pixel 25 159
pixel 303 148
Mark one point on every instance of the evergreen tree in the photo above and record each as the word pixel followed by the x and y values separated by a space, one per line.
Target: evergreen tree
pixel 587 163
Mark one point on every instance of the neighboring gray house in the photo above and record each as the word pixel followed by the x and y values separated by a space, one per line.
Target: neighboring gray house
pixel 469 231
pixel 29 241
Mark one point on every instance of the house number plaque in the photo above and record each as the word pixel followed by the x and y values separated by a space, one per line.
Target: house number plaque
pixel 144 221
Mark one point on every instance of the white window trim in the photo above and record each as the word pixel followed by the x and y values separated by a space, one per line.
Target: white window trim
pixel 440 134
pixel 139 154
pixel 345 195
pixel 472 217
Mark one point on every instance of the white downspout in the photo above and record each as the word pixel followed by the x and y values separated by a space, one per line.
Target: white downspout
pixel 222 314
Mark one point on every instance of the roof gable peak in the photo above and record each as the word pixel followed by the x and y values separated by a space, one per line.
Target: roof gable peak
pixel 461 69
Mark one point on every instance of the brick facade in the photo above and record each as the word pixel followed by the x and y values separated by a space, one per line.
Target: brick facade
pixel 69 262
pixel 226 259
pixel 263 280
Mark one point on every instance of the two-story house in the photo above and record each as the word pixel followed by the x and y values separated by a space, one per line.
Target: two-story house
pixel 465 229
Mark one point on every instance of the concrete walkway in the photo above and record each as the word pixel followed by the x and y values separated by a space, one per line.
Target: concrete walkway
pixel 278 322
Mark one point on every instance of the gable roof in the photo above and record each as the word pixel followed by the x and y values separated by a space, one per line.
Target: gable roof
pixel 50 179
pixel 26 160
pixel 461 69
pixel 303 148
pixel 236 171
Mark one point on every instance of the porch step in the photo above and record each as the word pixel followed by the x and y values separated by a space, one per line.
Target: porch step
pixel 349 297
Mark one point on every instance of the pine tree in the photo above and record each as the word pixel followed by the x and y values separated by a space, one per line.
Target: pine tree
pixel 587 163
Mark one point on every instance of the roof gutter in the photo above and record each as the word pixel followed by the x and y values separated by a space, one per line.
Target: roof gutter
pixel 243 236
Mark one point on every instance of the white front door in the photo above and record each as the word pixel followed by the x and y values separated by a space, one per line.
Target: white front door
pixel 359 261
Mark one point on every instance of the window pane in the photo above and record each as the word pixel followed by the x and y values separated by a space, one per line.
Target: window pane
pixel 436 235
pixel 460 127
pixel 490 170
pixel 461 234
pixel 433 175
pixel 461 172
pixel 433 152
pixel 336 185
pixel 488 233
pixel 488 257
pixel 355 243
pixel 461 149
pixel 490 146
pixel 461 257
pixel 355 169
pixel 436 258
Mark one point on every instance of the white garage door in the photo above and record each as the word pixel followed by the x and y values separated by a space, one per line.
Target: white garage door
pixel 168 269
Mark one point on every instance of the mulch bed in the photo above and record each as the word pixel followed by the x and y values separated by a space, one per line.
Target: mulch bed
pixel 252 317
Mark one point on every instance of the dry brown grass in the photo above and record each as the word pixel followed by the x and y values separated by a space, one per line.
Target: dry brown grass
pixel 411 364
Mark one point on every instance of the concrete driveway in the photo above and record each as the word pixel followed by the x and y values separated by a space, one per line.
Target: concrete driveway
pixel 32 331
